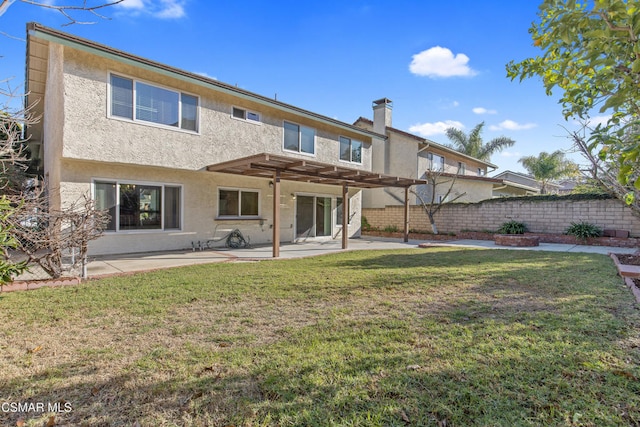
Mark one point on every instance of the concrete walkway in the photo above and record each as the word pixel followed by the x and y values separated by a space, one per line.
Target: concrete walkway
pixel 122 264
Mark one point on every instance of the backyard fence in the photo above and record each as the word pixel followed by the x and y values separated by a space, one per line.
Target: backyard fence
pixel 540 214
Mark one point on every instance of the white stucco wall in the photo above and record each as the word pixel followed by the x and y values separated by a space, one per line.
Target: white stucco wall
pixel 200 206
pixel 83 144
pixel 91 135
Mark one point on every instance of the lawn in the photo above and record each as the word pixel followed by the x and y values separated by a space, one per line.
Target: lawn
pixel 442 337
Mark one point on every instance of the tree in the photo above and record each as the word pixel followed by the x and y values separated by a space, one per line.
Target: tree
pixel 546 167
pixel 472 145
pixel 429 197
pixel 14 159
pixel 591 52
pixel 68 11
pixel 8 269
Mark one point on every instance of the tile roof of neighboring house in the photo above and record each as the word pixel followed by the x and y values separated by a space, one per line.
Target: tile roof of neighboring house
pixel 428 142
pixel 50 34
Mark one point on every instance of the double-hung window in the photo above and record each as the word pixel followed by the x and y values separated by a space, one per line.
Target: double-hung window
pixel 139 101
pixel 462 168
pixel 136 206
pixel 233 203
pixel 299 138
pixel 350 150
pixel 436 162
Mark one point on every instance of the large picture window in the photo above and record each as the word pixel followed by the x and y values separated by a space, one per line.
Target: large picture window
pixel 299 138
pixel 139 101
pixel 238 203
pixel 135 206
pixel 350 150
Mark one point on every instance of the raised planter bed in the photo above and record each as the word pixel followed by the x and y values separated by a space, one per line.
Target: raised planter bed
pixel 629 269
pixel 516 240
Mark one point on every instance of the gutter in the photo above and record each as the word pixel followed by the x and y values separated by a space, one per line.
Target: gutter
pixel 37 30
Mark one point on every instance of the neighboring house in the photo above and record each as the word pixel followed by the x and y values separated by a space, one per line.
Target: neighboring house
pixel 518 184
pixel 177 158
pixel 411 156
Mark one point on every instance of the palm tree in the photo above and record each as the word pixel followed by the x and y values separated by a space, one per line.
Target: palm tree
pixel 546 167
pixel 472 145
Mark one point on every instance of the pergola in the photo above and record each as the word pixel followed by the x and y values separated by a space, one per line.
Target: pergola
pixel 277 168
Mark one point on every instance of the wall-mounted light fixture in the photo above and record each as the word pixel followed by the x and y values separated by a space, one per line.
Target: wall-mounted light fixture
pixel 270 184
pixel 293 196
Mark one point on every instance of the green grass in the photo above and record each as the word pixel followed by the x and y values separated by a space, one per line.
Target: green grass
pixel 392 338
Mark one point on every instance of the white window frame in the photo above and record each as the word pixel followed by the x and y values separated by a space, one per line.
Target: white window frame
pixel 481 172
pixel 245 115
pixel 299 151
pixel 239 190
pixel 430 156
pixel 462 168
pixel 119 182
pixel 351 140
pixel 150 123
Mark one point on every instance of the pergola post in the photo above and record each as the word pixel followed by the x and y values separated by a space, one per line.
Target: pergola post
pixel 276 214
pixel 345 216
pixel 406 214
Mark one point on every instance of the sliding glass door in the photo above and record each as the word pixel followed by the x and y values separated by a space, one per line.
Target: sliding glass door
pixel 313 216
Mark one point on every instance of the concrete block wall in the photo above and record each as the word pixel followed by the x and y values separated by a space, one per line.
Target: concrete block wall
pixel 544 216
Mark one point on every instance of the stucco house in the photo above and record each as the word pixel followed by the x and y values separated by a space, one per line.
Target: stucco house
pixel 408 155
pixel 519 184
pixel 177 158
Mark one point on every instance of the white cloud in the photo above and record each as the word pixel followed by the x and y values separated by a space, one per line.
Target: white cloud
pixel 597 120
pixel 511 125
pixel 163 9
pixel 437 128
pixel 510 154
pixel 440 62
pixel 482 110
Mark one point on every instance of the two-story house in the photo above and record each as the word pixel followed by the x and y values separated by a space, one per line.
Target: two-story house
pixel 403 154
pixel 177 158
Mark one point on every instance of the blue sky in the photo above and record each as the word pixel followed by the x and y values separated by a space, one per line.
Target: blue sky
pixel 441 63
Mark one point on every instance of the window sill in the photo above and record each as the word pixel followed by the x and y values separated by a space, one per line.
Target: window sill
pixel 238 218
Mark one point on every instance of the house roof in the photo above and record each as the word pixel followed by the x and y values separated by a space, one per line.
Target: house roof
pixel 292 169
pixel 428 142
pixel 37 76
pixel 504 175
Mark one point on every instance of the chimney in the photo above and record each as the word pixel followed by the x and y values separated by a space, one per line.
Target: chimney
pixel 382 115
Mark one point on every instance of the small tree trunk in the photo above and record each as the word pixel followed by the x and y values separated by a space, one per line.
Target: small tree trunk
pixel 432 221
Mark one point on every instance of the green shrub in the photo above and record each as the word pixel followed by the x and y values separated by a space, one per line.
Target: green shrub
pixel 364 224
pixel 583 230
pixel 512 227
pixel 391 229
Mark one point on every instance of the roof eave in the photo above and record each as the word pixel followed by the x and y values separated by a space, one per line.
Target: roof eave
pixel 37 30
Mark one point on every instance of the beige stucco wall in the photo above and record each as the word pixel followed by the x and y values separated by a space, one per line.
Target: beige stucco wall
pixel 53 116
pixel 200 199
pixel 90 134
pixel 83 144
pixel 539 216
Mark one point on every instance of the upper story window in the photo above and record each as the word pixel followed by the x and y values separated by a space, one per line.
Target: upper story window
pixel 462 168
pixel 139 101
pixel 299 138
pixel 436 162
pixel 481 172
pixel 350 150
pixel 242 114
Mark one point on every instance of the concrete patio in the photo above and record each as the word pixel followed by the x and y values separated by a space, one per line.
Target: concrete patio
pixel 120 264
